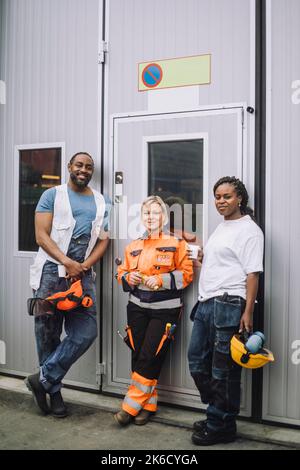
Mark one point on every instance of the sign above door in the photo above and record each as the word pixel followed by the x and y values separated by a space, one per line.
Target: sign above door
pixel 177 72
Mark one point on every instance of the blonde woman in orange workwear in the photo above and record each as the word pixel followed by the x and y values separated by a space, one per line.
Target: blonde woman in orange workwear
pixel 155 271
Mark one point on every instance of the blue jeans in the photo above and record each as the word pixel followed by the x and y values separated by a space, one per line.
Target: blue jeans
pixel 216 375
pixel 56 356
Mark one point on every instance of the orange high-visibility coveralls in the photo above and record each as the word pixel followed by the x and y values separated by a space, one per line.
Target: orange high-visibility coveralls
pixel 152 315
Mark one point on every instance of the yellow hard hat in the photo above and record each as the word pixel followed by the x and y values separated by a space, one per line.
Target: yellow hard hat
pixel 245 359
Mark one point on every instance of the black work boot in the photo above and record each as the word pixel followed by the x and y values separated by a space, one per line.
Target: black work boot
pixel 205 437
pixel 39 393
pixel 200 425
pixel 58 408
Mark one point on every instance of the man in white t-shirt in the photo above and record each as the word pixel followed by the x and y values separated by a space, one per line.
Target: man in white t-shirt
pixel 228 285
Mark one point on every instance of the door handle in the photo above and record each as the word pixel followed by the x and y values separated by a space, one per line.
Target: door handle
pixel 118 186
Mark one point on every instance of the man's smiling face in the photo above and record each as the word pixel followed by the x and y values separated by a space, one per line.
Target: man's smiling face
pixel 81 170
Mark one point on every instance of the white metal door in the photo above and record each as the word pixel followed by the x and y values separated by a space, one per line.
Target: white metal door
pixel 218 136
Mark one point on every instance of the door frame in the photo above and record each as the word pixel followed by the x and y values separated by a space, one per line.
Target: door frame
pixel 239 109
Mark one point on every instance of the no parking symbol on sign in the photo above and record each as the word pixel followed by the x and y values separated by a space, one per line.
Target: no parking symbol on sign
pixel 152 75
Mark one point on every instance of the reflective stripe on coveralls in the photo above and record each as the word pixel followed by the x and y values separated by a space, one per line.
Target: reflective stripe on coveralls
pixel 151 404
pixel 141 394
pixel 173 303
pixel 178 277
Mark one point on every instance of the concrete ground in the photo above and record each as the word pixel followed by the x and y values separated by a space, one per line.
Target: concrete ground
pixel 91 426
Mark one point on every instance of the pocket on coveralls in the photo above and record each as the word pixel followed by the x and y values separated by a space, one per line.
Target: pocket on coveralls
pixel 227 315
pixel 134 259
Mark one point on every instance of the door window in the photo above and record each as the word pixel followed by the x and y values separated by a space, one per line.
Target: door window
pixel 175 172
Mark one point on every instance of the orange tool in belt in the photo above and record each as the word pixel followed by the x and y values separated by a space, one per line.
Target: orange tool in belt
pixel 165 336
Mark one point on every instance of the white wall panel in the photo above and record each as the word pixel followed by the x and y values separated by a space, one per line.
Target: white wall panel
pixel 282 379
pixel 49 61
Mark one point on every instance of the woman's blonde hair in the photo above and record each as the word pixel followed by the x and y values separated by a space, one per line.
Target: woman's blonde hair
pixel 156 200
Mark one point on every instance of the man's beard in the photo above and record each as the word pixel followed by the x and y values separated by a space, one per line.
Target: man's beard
pixel 78 182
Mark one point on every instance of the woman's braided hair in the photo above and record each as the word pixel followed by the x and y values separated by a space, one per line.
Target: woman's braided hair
pixel 240 190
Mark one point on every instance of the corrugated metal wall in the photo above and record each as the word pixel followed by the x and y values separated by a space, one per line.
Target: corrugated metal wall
pixel 49 61
pixel 282 379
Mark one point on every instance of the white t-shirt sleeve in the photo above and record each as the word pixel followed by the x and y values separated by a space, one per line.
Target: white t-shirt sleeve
pixel 251 254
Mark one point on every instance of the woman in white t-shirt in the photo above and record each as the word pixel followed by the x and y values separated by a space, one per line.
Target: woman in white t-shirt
pixel 228 284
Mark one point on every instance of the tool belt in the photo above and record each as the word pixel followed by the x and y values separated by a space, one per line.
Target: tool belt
pixel 60 301
pixel 168 335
